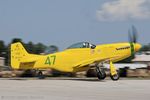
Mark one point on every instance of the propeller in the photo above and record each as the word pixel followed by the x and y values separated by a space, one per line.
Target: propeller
pixel 133 35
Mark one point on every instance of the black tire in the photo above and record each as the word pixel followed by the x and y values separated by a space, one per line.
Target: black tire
pixel 101 75
pixel 115 77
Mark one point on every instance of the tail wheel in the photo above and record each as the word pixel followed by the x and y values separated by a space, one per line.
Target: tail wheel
pixel 40 75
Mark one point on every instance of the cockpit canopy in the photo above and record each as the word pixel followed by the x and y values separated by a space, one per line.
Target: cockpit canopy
pixel 82 45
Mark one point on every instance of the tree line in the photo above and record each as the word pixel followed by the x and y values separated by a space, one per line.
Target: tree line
pixel 38 48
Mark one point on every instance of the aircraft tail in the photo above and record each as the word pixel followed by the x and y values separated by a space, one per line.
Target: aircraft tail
pixel 18 53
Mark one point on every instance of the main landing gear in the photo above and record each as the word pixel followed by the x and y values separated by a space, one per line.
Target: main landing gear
pixel 101 75
pixel 114 75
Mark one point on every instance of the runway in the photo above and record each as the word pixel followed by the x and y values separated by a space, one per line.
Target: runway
pixel 74 89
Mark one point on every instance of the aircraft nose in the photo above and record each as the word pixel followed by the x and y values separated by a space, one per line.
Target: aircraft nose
pixel 137 47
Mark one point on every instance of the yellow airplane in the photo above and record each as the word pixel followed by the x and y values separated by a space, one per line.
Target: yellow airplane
pixel 76 58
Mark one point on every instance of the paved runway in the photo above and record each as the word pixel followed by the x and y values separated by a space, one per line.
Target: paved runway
pixel 74 89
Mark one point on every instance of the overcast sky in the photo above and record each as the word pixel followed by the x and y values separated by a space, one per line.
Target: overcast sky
pixel 64 22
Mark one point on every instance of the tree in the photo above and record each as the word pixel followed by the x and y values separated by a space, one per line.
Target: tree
pixel 16 40
pixel 51 49
pixel 39 48
pixel 30 47
pixel 2 49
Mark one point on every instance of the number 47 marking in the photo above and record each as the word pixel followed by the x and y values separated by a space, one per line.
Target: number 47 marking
pixel 50 60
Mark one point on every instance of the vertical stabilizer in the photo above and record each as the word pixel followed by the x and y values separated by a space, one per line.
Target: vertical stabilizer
pixel 18 52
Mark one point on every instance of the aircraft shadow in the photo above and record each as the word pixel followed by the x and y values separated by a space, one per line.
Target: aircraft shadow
pixel 56 78
pixel 78 79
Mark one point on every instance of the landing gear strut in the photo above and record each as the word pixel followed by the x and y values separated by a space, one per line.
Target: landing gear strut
pixel 100 72
pixel 114 75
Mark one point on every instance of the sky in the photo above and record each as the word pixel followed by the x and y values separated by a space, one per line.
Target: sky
pixel 65 22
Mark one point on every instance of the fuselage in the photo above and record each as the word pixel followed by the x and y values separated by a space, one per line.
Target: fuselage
pixel 77 59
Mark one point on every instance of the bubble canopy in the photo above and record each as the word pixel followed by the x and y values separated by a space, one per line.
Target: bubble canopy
pixel 82 45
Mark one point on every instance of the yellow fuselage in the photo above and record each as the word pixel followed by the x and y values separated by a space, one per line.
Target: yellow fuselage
pixel 71 60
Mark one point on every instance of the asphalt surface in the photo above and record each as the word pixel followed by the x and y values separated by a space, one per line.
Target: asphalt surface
pixel 74 89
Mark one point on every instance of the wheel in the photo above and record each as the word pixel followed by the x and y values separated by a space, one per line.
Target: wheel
pixel 115 77
pixel 40 75
pixel 101 73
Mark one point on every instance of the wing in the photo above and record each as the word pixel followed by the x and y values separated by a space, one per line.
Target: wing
pixel 91 61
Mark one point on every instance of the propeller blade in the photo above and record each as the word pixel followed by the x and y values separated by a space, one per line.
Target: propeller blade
pixel 135 34
pixel 132 34
pixel 130 38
